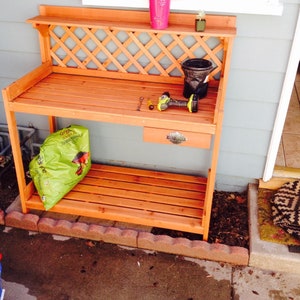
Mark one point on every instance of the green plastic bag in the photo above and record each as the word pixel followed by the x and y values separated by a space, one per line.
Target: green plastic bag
pixel 63 161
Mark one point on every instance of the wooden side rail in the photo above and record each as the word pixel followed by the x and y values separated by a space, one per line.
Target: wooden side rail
pixel 105 70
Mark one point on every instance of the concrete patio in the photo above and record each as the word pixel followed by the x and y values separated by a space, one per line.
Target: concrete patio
pixel 47 261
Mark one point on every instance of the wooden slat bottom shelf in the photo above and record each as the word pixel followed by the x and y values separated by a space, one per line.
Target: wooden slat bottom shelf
pixel 151 198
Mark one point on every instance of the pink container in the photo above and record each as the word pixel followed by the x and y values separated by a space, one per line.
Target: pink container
pixel 159 13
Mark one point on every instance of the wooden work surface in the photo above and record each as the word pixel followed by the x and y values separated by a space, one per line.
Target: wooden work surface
pixel 113 100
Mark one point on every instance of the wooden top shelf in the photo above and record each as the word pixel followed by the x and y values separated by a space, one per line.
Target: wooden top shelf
pixel 139 20
pixel 211 29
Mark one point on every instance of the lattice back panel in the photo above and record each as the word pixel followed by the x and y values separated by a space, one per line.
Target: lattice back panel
pixel 129 51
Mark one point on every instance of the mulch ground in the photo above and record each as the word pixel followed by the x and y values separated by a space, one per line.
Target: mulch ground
pixel 229 217
pixel 8 188
pixel 228 224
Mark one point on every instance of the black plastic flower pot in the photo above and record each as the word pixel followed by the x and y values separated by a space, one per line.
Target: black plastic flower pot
pixel 196 71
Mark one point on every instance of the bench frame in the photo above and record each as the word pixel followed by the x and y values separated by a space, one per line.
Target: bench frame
pixel 84 49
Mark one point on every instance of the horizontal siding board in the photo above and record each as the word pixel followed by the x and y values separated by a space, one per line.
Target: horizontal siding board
pixel 254 86
pixel 242 165
pixel 16 35
pixel 233 183
pixel 246 141
pixel 260 54
pixel 273 27
pixel 17 64
pixel 106 130
pixel 251 115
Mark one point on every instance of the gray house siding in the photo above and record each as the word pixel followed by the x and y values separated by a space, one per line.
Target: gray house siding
pixel 259 60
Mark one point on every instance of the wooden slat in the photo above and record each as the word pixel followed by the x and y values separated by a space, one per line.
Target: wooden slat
pixel 139 191
pixel 118 75
pixel 157 181
pixel 162 176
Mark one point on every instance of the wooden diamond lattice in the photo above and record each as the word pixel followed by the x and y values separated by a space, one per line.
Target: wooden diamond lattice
pixel 131 51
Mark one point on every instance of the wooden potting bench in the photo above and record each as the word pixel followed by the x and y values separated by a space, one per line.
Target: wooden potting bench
pixel 96 65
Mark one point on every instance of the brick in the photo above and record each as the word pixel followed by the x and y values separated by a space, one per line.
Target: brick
pixel 95 232
pixel 46 225
pixel 125 237
pixel 224 253
pixel 59 227
pixel 220 248
pixel 150 241
pixel 79 230
pixel 239 256
pixel 23 221
pixel 63 227
pixel 180 246
pixel 197 249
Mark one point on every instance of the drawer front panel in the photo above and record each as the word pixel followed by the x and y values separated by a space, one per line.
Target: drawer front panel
pixel 182 138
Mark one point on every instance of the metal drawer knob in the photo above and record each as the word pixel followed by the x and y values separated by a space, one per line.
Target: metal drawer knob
pixel 176 137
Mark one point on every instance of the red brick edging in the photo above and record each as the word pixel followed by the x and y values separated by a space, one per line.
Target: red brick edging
pixel 128 237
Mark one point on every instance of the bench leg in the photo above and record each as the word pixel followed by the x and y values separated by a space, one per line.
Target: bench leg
pixel 52 123
pixel 17 156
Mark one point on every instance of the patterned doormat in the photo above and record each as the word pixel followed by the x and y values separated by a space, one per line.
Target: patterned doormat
pixel 267 230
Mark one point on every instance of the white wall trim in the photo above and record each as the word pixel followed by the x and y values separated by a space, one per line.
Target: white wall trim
pixel 283 103
pixel 258 7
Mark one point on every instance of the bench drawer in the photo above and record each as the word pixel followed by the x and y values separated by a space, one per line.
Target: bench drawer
pixel 178 137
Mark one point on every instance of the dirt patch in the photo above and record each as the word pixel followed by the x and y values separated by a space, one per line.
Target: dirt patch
pixel 8 187
pixel 228 224
pixel 229 217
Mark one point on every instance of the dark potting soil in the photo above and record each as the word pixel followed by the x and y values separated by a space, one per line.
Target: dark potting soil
pixel 228 224
pixel 8 188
